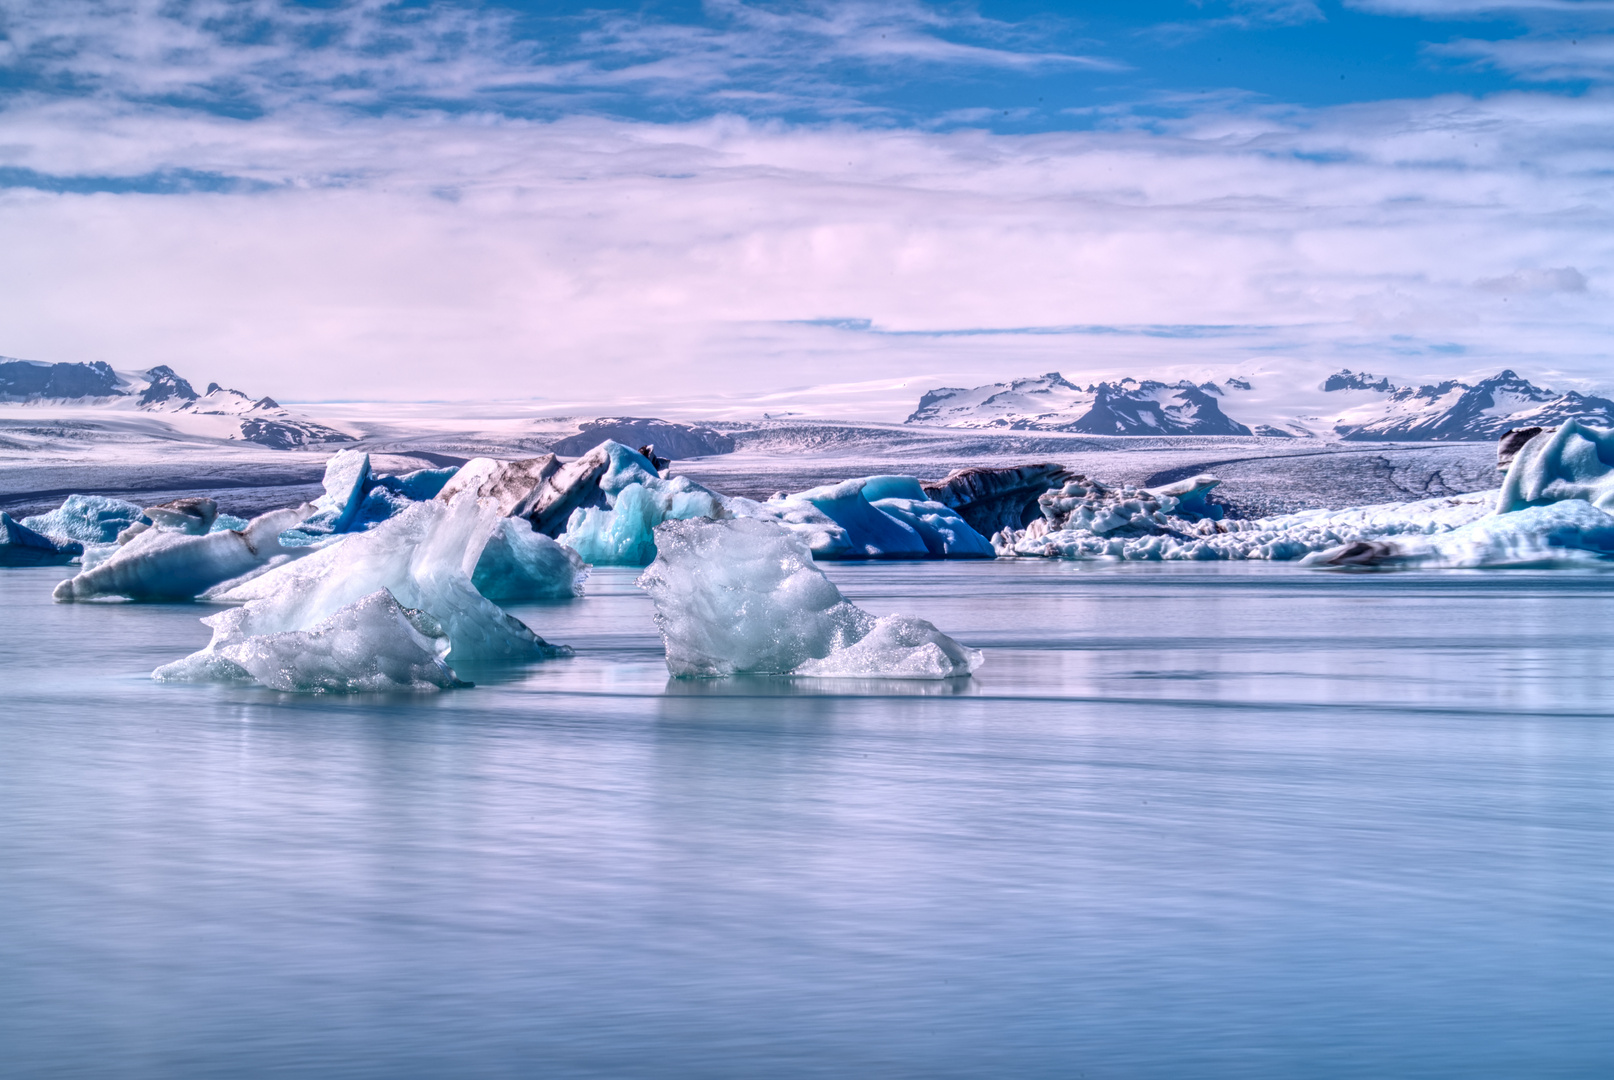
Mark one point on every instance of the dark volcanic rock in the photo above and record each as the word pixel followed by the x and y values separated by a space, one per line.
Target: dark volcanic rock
pixel 670 439
pixel 166 386
pixel 22 380
pixel 993 499
pixel 289 434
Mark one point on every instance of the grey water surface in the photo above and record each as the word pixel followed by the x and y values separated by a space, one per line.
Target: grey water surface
pixel 1188 821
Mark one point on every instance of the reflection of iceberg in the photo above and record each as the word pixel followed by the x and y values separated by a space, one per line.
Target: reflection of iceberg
pixel 370 645
pixel 424 557
pixel 160 564
pixel 744 596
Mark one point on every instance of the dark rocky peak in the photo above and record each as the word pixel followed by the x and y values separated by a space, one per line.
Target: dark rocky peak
pixel 1429 391
pixel 1509 381
pixel 266 403
pixel 1346 379
pixel 1236 383
pixel 23 380
pixel 165 385
pixel 1211 388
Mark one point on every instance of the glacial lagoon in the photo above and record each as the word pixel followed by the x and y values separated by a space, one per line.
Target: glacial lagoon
pixel 1208 820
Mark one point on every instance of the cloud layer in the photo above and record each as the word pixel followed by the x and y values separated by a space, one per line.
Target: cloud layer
pixel 324 204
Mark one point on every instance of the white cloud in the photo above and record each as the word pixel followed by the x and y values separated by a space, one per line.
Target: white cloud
pixel 435 252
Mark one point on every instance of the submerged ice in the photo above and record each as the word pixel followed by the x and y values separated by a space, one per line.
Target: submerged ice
pixel 743 596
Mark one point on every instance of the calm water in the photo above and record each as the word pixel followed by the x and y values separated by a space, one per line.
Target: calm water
pixel 1187 822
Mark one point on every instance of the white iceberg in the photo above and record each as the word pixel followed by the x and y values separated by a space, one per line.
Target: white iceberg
pixel 160 564
pixel 424 557
pixel 89 519
pixel 1574 462
pixel 1571 532
pixel 346 475
pixel 743 595
pixel 372 644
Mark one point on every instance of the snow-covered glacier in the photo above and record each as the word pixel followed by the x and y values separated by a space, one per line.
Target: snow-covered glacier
pixel 743 596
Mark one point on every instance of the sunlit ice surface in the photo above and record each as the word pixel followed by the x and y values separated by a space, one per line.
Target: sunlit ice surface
pixel 1188 820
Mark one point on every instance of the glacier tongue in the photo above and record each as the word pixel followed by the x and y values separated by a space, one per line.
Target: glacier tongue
pixel 743 595
pixel 372 644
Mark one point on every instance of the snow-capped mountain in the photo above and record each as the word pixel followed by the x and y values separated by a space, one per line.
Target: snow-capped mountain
pixel 1454 411
pixel 1052 403
pixel 162 390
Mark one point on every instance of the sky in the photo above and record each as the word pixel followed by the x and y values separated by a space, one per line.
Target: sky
pixel 815 205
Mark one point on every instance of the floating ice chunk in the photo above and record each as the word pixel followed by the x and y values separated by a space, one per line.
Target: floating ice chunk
pixel 1136 525
pixel 870 533
pixel 346 475
pixel 743 595
pixel 624 533
pixel 424 557
pixel 575 485
pixel 1570 532
pixel 994 499
pixel 520 563
pixel 1574 462
pixel 192 516
pixel 370 645
pixel 512 486
pixel 163 565
pixel 89 519
pixel 20 546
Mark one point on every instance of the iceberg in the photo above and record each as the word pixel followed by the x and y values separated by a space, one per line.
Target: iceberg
pixel 994 499
pixel 1084 519
pixel 520 563
pixel 372 644
pixel 346 475
pixel 417 486
pixel 871 517
pixel 636 499
pixel 743 595
pixel 424 557
pixel 192 516
pixel 89 519
pixel 1570 532
pixel 21 546
pixel 512 486
pixel 160 564
pixel 1576 461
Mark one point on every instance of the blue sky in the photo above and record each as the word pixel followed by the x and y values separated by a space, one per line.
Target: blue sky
pixel 369 198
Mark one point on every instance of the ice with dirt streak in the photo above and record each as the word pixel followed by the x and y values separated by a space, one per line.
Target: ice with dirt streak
pixel 743 596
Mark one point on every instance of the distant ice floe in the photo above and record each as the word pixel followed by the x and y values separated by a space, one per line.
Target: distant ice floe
pixel 869 517
pixel 743 596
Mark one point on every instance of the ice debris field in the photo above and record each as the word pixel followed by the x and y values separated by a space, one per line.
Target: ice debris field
pixel 385 582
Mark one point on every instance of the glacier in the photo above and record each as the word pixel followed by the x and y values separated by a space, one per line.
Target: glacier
pixel 744 596
pixel 373 644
